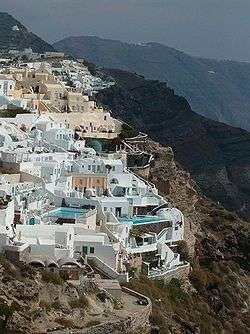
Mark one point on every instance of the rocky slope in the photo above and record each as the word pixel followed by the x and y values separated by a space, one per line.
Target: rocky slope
pixel 216 155
pixel 219 90
pixel 215 297
pixel 13 35
pixel 38 302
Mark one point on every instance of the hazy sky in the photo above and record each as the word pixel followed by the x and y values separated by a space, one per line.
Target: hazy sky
pixel 208 28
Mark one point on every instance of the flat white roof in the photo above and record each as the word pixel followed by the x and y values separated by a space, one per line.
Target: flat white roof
pixel 44 241
pixel 111 161
pixel 90 237
pixel 111 199
pixel 43 229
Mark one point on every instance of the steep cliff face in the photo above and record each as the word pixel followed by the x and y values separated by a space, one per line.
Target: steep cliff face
pixel 13 35
pixel 215 297
pixel 219 90
pixel 216 155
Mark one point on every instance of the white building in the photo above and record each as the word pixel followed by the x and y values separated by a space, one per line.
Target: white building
pixel 7 85
pixel 54 241
pixel 58 135
pixel 6 220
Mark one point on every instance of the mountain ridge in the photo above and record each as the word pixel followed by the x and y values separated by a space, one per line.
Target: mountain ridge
pixel 14 35
pixel 216 155
pixel 216 89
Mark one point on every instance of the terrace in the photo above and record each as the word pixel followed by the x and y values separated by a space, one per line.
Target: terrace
pixel 69 213
pixel 140 220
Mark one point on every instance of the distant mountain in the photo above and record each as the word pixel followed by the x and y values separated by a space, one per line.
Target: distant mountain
pixel 219 90
pixel 216 155
pixel 13 35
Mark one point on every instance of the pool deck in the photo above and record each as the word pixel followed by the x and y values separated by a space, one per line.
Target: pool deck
pixel 67 213
pixel 140 220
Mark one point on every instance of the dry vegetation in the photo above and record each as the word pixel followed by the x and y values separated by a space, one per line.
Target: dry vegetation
pixel 215 297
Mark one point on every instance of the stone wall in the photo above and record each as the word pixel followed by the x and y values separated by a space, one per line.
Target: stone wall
pixel 179 273
pixel 9 168
pixel 16 257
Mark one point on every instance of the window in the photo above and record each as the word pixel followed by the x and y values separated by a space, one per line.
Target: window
pixel 89 167
pixel 105 118
pixel 114 181
pixel 91 250
pixel 85 250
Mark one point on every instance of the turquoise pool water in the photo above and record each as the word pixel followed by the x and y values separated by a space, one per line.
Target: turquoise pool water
pixel 67 213
pixel 32 221
pixel 138 220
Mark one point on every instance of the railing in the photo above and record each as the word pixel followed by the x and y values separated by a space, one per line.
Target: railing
pixel 165 273
pixel 142 249
pixel 108 271
pixel 161 234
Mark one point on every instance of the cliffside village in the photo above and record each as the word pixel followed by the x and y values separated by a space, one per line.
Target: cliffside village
pixel 72 190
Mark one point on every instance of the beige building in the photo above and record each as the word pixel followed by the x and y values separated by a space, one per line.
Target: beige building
pixel 84 182
pixel 95 124
pixel 78 102
pixel 42 92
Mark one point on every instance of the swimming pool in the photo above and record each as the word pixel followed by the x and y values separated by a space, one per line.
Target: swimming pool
pixel 66 213
pixel 139 220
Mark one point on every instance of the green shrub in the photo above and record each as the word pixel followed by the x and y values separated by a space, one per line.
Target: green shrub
pixel 6 310
pixel 10 269
pixel 49 277
pixel 92 323
pixel 198 278
pixel 157 319
pixel 66 323
pixel 45 305
pixel 227 300
pixel 128 131
pixel 175 293
pixel 183 250
pixel 82 302
pixel 206 326
pixel 132 271
pixel 56 305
